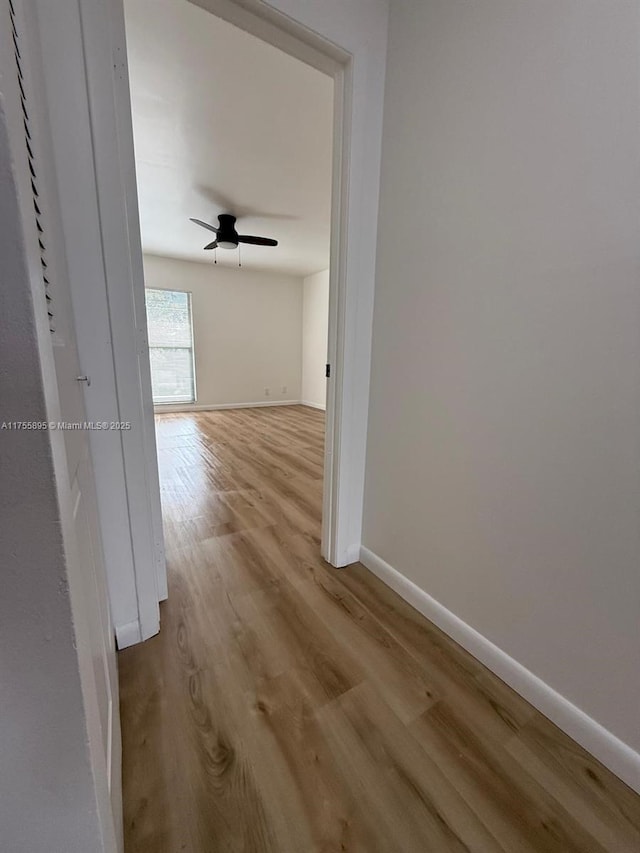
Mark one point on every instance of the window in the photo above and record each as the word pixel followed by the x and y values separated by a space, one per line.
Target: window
pixel 170 346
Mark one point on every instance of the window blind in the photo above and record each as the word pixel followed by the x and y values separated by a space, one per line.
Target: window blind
pixel 170 346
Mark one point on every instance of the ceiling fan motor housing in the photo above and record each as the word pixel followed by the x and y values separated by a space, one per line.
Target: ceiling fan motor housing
pixel 227 234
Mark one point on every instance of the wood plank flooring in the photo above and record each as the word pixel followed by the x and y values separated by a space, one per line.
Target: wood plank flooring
pixel 290 707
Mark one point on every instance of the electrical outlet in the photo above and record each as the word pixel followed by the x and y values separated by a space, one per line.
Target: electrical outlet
pixel 284 389
pixel 267 392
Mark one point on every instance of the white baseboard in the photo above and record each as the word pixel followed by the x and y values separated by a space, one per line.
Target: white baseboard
pixel 601 743
pixel 214 407
pixel 313 405
pixel 128 635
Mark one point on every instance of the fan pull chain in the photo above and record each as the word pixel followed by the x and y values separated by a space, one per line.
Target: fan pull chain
pixel 239 258
pixel 215 256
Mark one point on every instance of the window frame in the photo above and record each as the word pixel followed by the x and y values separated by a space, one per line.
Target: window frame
pixel 189 295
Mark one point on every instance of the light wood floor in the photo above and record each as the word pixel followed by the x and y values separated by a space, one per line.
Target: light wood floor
pixel 293 708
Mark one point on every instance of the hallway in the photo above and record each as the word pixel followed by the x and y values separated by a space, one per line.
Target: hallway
pixel 293 708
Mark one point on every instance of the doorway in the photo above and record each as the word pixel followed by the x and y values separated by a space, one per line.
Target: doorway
pixel 233 321
pixel 91 48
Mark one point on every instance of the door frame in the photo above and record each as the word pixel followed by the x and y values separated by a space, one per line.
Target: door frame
pixel 347 41
pixel 350 46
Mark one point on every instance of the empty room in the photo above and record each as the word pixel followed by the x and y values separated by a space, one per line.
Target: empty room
pixel 320 434
pixel 232 136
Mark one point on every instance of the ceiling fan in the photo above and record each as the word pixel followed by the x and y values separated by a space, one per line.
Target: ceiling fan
pixel 227 236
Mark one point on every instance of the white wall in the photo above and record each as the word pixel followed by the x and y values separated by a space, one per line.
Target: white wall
pixel 506 343
pixel 315 329
pixel 246 327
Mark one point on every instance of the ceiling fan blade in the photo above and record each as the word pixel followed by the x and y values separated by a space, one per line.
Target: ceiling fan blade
pixel 205 225
pixel 225 204
pixel 257 241
pixel 212 245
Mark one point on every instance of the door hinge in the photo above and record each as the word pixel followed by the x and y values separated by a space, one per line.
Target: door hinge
pixel 327 371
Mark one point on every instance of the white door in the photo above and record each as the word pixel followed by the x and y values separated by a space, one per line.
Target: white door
pixel 29 133
pixel 71 384
pixel 86 524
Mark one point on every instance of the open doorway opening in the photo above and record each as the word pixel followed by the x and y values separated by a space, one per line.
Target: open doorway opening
pixel 234 145
pixel 86 73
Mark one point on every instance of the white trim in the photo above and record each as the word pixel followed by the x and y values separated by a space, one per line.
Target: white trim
pixel 266 22
pixel 311 405
pixel 111 133
pixel 128 635
pixel 605 746
pixel 353 554
pixel 120 80
pixel 167 408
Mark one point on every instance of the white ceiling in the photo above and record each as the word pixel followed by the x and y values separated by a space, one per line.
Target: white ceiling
pixel 225 123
